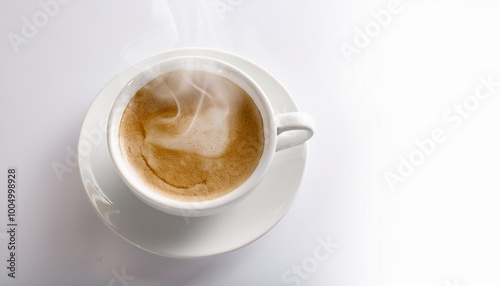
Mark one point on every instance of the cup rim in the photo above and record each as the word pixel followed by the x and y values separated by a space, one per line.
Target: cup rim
pixel 171 205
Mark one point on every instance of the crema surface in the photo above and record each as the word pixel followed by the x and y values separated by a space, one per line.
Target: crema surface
pixel 192 135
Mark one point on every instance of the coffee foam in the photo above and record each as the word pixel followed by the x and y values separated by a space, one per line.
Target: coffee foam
pixel 192 135
pixel 204 131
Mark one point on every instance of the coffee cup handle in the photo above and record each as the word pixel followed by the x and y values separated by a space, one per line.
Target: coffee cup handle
pixel 294 128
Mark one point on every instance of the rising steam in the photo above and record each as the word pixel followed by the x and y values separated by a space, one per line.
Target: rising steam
pixel 200 121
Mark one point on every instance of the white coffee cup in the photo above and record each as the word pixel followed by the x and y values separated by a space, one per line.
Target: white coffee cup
pixel 280 132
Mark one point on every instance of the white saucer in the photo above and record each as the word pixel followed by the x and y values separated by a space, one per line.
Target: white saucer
pixel 174 236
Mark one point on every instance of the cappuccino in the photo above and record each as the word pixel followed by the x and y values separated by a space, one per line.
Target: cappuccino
pixel 191 135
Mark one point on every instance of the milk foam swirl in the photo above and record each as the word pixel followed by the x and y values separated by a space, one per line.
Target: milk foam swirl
pixel 204 131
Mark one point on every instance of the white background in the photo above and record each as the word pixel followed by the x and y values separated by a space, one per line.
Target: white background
pixel 441 224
